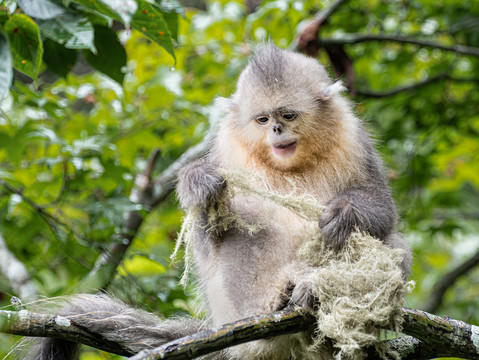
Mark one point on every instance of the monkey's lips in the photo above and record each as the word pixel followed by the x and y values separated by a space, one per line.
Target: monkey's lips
pixel 285 149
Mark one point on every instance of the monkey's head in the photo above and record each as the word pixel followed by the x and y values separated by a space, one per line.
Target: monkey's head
pixel 282 112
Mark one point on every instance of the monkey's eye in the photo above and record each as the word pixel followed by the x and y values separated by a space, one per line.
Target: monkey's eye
pixel 289 116
pixel 262 119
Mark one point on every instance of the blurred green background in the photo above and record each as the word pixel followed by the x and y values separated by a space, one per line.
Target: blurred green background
pixel 86 110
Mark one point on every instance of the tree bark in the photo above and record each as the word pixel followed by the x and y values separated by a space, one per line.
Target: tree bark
pixel 431 336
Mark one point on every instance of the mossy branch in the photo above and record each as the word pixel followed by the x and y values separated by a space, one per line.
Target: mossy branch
pixel 27 323
pixel 431 335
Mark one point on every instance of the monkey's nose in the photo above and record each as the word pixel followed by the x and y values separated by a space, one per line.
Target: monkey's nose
pixel 277 128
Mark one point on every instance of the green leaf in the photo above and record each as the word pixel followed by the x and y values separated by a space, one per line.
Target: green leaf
pixel 150 20
pixel 75 31
pixel 58 58
pixel 111 56
pixel 172 20
pixel 4 15
pixel 40 9
pixel 6 72
pixel 171 9
pixel 119 10
pixel 26 44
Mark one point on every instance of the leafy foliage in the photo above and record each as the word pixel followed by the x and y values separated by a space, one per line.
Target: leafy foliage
pixel 109 86
pixel 78 25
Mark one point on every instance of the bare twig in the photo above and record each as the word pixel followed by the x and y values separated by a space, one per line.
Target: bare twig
pixel 16 274
pixel 448 280
pixel 165 183
pixel 323 16
pixel 141 192
pixel 351 39
pixel 308 41
pixel 434 336
pixel 414 86
pixel 149 194
pixel 49 218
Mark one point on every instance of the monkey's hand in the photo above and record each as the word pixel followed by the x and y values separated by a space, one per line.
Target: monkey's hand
pixel 302 295
pixel 369 209
pixel 297 292
pixel 199 185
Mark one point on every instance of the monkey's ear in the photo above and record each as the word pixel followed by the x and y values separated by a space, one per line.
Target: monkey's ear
pixel 226 104
pixel 331 90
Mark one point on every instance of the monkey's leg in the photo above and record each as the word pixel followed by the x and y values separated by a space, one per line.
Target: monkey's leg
pixel 395 241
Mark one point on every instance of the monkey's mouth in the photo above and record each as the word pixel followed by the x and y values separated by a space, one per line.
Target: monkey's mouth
pixel 285 148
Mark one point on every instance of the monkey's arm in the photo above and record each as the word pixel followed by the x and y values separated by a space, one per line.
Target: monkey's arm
pixel 369 208
pixel 199 184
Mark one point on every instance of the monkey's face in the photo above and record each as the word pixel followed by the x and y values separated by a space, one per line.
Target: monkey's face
pixel 279 139
pixel 280 112
pixel 283 142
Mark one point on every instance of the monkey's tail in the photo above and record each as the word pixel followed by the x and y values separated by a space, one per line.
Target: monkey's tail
pixel 108 321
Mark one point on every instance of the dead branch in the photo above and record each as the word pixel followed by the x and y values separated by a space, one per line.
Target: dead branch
pixel 447 336
pixel 448 280
pixel 352 39
pixel 308 40
pixel 412 87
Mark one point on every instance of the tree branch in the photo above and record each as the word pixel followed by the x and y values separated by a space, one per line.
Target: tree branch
pixel 433 336
pixel 49 219
pixel 16 273
pixel 351 39
pixel 449 337
pixel 208 341
pixel 415 86
pixel 26 323
pixel 308 40
pixel 166 182
pixel 323 16
pixel 448 280
pixel 406 347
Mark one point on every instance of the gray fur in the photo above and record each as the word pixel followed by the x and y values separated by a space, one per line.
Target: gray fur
pixel 243 274
pixel 110 319
pixel 268 66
